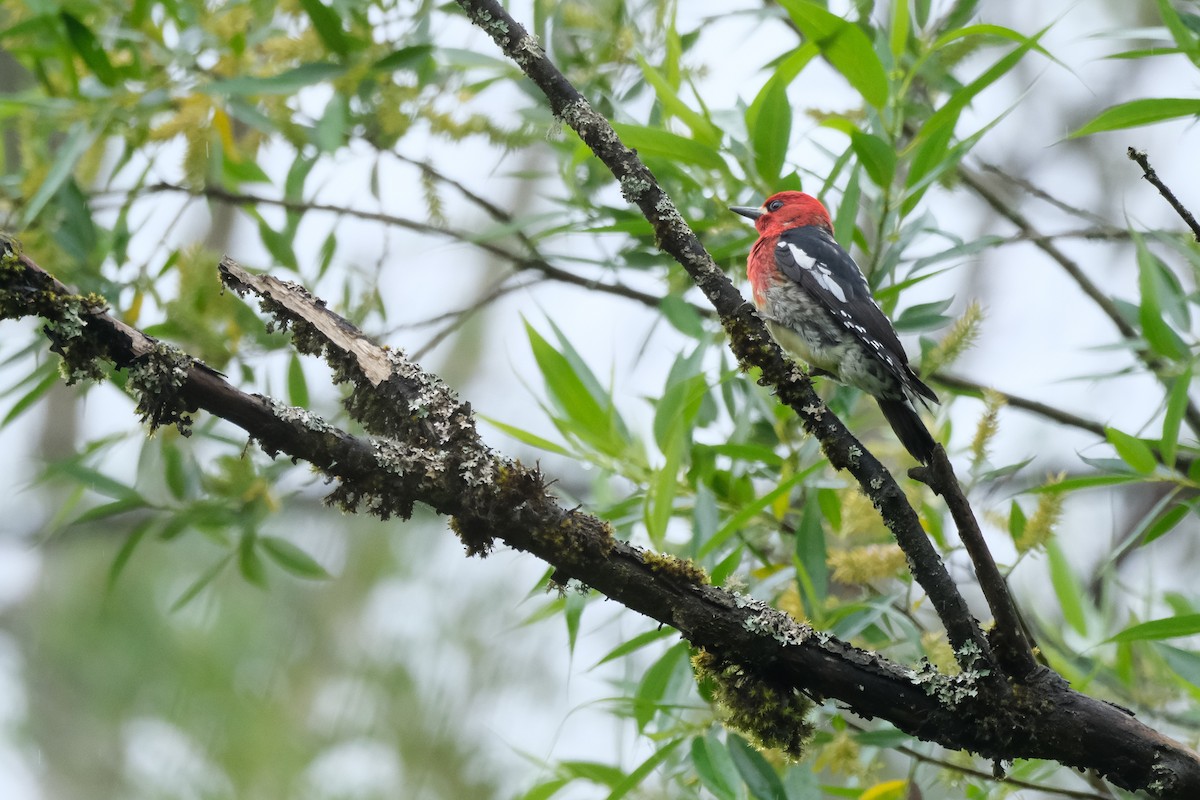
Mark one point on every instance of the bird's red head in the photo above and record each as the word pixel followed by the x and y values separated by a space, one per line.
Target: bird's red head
pixel 785 210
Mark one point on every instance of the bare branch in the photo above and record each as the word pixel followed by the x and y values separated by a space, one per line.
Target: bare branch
pixel 518 262
pixel 1150 175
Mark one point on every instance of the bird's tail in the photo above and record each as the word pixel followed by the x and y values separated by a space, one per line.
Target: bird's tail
pixel 909 428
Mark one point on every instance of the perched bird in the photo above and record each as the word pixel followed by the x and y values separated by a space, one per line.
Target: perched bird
pixel 817 305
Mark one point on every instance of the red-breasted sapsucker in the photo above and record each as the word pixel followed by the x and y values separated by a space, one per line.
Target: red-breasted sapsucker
pixel 817 305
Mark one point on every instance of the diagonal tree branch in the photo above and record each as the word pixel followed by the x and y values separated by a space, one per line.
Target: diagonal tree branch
pixel 1151 176
pixel 531 262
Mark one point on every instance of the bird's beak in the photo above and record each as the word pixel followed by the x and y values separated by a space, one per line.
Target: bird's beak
pixel 747 211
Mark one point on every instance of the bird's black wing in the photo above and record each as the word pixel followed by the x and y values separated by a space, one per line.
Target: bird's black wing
pixel 812 258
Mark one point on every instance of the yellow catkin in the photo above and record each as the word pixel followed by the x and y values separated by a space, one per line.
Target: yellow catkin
pixel 862 565
pixel 1041 524
pixel 988 425
pixel 959 339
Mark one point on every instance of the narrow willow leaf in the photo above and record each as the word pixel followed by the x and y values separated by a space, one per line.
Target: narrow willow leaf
pixel 845 46
pixel 1136 113
pixel 1168 628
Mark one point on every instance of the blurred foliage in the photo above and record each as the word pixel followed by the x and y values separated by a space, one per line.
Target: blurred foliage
pixel 125 104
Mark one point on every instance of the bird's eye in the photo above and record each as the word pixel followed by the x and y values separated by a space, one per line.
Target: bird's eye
pixel 774 205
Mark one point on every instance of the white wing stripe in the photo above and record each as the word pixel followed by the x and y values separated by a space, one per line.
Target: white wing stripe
pixel 818 271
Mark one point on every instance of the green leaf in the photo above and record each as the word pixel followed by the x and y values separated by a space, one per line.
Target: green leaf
pixel 660 500
pixel 79 139
pixel 113 509
pixel 95 480
pixel 657 143
pixel 278 243
pixel 647 699
pixel 1168 628
pixel 960 13
pixel 727 566
pixel 1135 113
pixel 769 121
pixel 811 553
pixel 30 398
pixel 298 172
pixel 330 132
pixel 132 540
pixel 89 49
pixel 845 221
pixel 594 771
pixel 198 585
pixel 1066 589
pixel 1156 293
pixel 750 510
pixel 1183 663
pixel 683 316
pixel 1016 521
pixel 702 129
pixel 877 157
pixel 1184 36
pixel 328 26
pixel 1165 522
pixel 572 615
pixel 1177 401
pixel 403 58
pixel 297 385
pixel 524 436
pixel 576 394
pixel 288 82
pixel 924 316
pixel 677 409
pixel 1132 450
pixel 844 46
pixel 641 771
pixel 759 776
pixel 944 119
pixel 636 643
pixel 292 558
pixel 249 562
pixel 898 37
pixel 238 172
pixel 717 773
pixel 175 473
pixel 546 790
pixel 1087 482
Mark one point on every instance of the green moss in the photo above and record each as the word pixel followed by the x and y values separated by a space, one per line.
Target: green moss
pixel 155 380
pixel 771 715
pixel 671 566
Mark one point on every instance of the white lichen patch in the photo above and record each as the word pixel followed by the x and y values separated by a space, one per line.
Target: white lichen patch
pixel 767 621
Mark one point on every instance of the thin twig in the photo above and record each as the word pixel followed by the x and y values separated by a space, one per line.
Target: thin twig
pixel 1016 401
pixel 917 755
pixel 519 262
pixel 1149 174
pixel 1042 194
pixel 1183 464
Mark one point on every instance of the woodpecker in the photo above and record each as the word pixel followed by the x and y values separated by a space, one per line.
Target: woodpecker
pixel 817 304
